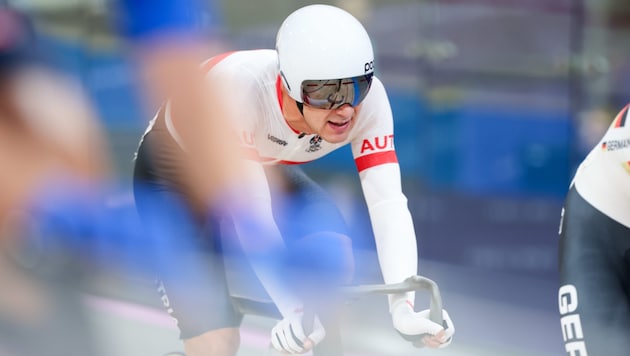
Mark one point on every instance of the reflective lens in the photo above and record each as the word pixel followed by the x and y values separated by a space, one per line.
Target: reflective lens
pixel 334 93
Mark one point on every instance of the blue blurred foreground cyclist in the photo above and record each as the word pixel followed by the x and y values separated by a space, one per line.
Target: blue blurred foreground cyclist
pixel 312 95
pixel 594 296
pixel 48 135
pixel 57 227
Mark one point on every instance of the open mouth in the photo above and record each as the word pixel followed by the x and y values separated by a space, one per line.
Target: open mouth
pixel 339 124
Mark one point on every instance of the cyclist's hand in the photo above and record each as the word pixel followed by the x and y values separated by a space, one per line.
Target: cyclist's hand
pixel 288 335
pixel 418 327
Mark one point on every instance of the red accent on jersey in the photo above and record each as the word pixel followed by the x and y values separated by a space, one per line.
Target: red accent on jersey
pixel 620 120
pixel 207 65
pixel 366 145
pixel 279 92
pixel 387 140
pixel 292 162
pixel 376 143
pixel 375 159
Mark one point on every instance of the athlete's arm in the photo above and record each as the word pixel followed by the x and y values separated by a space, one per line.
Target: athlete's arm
pixel 391 223
pixel 259 236
pixel 378 168
pixel 391 220
pixel 265 249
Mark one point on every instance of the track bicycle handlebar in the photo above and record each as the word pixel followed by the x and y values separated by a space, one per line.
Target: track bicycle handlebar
pixel 413 283
pixel 265 307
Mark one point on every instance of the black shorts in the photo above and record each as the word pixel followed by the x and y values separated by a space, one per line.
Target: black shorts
pixel 202 302
pixel 594 297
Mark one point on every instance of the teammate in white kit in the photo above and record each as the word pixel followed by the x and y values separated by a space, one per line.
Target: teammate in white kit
pixel 312 95
pixel 594 296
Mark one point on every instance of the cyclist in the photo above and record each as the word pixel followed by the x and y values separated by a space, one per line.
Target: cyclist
pixel 313 94
pixel 594 296
pixel 49 140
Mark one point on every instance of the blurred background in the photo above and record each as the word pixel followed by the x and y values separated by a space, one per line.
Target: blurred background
pixel 495 104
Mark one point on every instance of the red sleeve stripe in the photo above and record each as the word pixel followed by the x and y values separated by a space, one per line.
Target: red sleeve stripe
pixel 293 162
pixel 620 120
pixel 251 154
pixel 207 65
pixel 375 159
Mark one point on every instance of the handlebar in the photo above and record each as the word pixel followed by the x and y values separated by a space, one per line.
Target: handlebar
pixel 413 283
pixel 264 307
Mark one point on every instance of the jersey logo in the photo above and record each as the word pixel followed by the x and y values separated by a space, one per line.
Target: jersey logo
pixel 572 332
pixel 164 297
pixel 274 139
pixel 378 143
pixel 614 145
pixel 315 144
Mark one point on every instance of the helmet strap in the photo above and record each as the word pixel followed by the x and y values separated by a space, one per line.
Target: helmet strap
pixel 300 107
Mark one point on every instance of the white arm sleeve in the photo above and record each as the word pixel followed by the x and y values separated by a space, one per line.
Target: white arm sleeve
pixel 259 236
pixel 392 225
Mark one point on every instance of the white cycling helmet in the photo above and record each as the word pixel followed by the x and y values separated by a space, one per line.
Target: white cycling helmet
pixel 325 57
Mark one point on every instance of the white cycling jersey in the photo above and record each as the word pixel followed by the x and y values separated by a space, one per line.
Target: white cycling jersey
pixel 603 178
pixel 251 83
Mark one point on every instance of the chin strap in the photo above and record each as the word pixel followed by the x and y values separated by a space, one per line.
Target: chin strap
pixel 300 107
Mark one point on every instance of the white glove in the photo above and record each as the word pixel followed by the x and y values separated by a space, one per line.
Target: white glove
pixel 288 335
pixel 417 326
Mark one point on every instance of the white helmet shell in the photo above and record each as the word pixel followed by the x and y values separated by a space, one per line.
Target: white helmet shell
pixel 322 42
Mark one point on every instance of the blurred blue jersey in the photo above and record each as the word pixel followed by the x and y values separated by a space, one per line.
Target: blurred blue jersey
pixel 142 19
pixel 101 227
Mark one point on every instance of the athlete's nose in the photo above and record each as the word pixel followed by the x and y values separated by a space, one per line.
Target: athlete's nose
pixel 346 111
